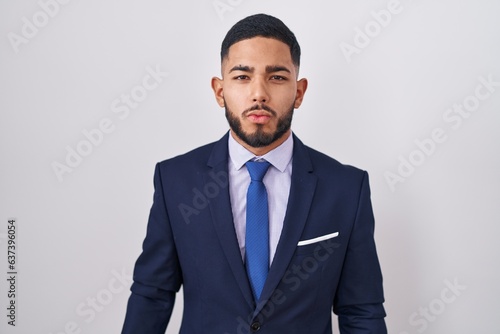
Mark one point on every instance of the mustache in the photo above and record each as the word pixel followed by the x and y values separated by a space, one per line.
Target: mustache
pixel 260 107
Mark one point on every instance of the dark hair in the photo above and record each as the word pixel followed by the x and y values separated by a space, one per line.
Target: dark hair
pixel 264 26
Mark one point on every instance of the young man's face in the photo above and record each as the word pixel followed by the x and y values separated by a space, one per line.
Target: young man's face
pixel 259 90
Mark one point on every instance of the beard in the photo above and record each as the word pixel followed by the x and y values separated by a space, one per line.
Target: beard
pixel 260 138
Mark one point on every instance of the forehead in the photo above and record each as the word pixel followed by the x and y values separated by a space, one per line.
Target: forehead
pixel 259 51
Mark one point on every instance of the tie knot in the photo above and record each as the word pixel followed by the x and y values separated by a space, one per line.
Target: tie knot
pixel 257 170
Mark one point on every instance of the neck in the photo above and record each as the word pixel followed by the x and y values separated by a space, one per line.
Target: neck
pixel 260 151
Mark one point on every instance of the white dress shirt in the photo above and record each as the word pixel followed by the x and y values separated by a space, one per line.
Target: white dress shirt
pixel 277 181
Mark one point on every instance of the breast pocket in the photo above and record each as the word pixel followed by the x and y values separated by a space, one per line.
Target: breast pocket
pixel 320 246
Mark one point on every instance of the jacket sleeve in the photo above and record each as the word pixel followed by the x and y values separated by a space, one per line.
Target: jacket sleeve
pixel 157 273
pixel 360 296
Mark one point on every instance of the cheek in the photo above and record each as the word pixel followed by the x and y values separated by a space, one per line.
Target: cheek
pixel 285 100
pixel 232 103
pixel 283 93
pixel 235 100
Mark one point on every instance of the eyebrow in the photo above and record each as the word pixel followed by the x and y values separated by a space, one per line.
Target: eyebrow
pixel 277 68
pixel 242 68
pixel 269 69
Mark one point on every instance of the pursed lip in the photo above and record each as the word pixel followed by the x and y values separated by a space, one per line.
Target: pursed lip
pixel 259 116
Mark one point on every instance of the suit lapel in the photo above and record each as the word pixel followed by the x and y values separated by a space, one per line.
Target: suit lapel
pixel 222 217
pixel 303 185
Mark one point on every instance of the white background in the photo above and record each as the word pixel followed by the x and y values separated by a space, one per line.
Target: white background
pixel 76 234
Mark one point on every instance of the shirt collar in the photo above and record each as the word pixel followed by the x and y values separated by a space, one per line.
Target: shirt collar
pixel 279 157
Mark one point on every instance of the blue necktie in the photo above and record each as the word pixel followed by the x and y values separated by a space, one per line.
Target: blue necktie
pixel 257 228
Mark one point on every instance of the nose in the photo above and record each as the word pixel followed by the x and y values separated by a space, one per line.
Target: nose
pixel 259 91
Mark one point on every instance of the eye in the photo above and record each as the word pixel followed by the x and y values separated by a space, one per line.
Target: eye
pixel 278 78
pixel 241 77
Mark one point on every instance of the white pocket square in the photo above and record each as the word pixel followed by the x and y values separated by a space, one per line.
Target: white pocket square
pixel 318 239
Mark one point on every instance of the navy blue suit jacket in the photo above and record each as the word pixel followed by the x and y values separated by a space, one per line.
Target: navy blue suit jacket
pixel 191 241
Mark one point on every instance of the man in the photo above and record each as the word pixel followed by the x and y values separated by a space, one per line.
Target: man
pixel 272 253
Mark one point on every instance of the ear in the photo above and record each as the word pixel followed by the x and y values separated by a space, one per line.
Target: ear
pixel 301 90
pixel 218 90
